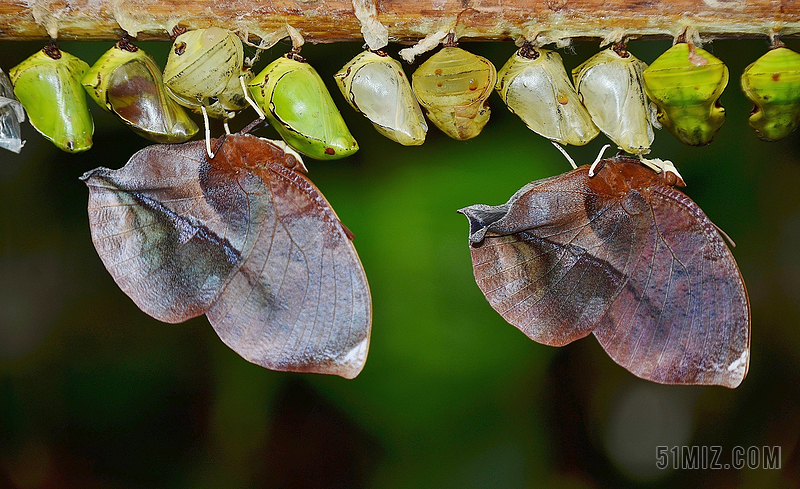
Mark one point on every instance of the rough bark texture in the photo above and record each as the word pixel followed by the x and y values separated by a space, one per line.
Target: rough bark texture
pixel 408 20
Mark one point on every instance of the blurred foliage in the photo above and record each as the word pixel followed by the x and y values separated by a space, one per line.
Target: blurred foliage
pixel 96 394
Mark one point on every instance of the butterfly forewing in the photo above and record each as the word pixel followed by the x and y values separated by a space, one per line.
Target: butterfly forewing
pixel 625 256
pixel 242 238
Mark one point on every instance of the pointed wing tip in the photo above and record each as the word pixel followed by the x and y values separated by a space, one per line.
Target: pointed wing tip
pixel 91 173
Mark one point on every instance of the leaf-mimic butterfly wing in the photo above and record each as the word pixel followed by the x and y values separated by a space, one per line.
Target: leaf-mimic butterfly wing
pixel 625 256
pixel 242 238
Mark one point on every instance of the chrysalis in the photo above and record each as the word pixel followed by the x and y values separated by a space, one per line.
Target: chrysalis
pixel 48 84
pixel 127 82
pixel 375 85
pixel 453 86
pixel 203 71
pixel 773 84
pixel 535 86
pixel 610 84
pixel 297 104
pixel 685 83
pixel 621 255
pixel 11 115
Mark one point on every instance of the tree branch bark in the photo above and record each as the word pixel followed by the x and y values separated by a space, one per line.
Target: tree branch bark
pixel 322 21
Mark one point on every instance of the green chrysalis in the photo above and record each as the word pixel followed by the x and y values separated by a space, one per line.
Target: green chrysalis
pixel 453 86
pixel 127 82
pixel 48 84
pixel 773 84
pixel 11 115
pixel 685 83
pixel 297 104
pixel 610 84
pixel 375 85
pixel 535 86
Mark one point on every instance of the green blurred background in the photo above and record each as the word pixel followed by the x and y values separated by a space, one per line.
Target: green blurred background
pixel 96 394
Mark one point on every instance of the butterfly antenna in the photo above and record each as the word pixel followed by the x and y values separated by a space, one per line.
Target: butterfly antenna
pixel 598 159
pixel 208 132
pixel 566 155
pixel 250 100
pixel 725 236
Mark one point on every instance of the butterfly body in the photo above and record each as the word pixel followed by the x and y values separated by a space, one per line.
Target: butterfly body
pixel 245 239
pixel 624 256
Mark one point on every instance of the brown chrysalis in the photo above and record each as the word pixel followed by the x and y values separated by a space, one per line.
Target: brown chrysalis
pixel 622 255
pixel 244 238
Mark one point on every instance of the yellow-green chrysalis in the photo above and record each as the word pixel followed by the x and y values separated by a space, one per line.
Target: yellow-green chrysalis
pixel 610 84
pixel 453 86
pixel 773 84
pixel 535 86
pixel 685 83
pixel 297 104
pixel 127 82
pixel 375 85
pixel 48 84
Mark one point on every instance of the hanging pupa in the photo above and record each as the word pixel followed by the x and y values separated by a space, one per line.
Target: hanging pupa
pixel 127 82
pixel 297 104
pixel 534 85
pixel 48 84
pixel 375 85
pixel 203 72
pixel 685 83
pixel 772 83
pixel 453 86
pixel 11 115
pixel 610 85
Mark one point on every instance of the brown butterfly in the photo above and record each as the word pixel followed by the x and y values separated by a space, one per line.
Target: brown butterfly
pixel 623 255
pixel 244 238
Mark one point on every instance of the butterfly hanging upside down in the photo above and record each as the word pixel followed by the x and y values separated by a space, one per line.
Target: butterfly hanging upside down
pixel 244 238
pixel 623 255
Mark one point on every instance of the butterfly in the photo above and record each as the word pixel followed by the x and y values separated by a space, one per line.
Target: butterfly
pixel 622 254
pixel 244 238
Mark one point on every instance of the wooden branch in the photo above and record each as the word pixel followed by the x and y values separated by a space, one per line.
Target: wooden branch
pixel 408 20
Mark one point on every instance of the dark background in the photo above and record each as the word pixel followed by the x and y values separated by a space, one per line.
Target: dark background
pixel 94 393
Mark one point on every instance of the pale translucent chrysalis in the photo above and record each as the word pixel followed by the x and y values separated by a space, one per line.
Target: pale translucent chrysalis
pixel 11 114
pixel 453 86
pixel 203 69
pixel 375 85
pixel 535 86
pixel 611 86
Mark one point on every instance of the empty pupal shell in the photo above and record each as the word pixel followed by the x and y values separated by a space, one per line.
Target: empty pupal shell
pixel 203 68
pixel 48 84
pixel 297 104
pixel 535 86
pixel 375 85
pixel 127 82
pixel 773 84
pixel 453 86
pixel 11 114
pixel 610 84
pixel 685 83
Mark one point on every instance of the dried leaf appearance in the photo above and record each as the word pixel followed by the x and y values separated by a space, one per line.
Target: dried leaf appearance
pixel 772 83
pixel 376 85
pixel 11 115
pixel 127 82
pixel 535 86
pixel 624 256
pixel 685 83
pixel 297 104
pixel 453 87
pixel 611 87
pixel 203 69
pixel 243 238
pixel 48 84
